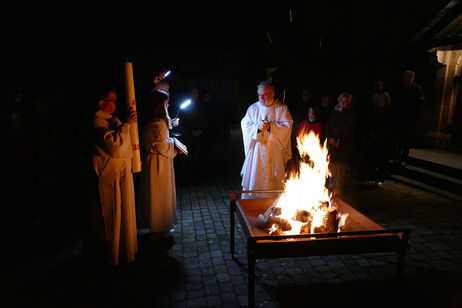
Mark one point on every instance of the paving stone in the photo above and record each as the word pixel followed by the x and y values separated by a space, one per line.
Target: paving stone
pixel 197 302
pixel 435 244
pixel 194 285
pixel 195 293
pixel 223 277
pixel 214 300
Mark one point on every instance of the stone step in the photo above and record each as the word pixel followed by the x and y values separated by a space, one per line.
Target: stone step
pixel 432 178
pixel 435 167
pixel 425 187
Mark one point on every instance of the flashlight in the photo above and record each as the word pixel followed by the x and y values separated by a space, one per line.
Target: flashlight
pixel 185 104
pixel 167 73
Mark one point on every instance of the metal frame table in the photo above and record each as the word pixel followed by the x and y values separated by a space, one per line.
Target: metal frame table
pixel 361 235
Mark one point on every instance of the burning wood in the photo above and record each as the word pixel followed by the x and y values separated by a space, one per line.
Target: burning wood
pixel 304 207
pixel 331 222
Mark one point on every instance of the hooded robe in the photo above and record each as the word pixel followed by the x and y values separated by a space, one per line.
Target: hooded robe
pixel 157 195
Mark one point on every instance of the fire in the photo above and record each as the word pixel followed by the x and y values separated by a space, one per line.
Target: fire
pixel 305 204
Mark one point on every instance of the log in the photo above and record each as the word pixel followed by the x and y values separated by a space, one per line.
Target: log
pixel 263 222
pixel 302 216
pixel 330 223
pixel 306 229
pixel 281 223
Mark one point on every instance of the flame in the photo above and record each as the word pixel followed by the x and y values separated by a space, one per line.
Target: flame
pixel 306 191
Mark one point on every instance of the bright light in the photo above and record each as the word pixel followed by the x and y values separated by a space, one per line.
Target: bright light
pixel 185 104
pixel 167 73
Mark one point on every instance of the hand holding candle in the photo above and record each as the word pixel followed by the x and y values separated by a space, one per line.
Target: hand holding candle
pixel 161 76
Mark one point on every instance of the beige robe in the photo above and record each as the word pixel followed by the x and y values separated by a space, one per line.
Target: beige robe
pixel 113 211
pixel 157 195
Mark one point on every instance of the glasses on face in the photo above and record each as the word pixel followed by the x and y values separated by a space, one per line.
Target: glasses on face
pixel 264 94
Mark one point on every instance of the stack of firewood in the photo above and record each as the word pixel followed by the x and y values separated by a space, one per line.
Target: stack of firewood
pixel 276 225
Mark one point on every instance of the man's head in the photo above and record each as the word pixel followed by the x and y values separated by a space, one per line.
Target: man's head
pixel 306 95
pixel 265 93
pixel 325 101
pixel 107 100
pixel 408 78
pixel 163 86
pixel 344 100
pixel 207 97
pixel 378 86
pixel 194 94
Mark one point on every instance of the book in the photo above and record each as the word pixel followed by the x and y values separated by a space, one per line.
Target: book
pixel 180 146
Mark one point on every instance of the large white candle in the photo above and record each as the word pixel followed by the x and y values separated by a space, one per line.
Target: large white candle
pixel 131 105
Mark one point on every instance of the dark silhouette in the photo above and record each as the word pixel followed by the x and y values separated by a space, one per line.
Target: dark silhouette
pixel 409 106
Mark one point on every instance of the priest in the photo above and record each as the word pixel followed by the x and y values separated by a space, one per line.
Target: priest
pixel 266 130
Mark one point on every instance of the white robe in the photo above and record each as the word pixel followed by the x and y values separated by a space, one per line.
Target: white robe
pixel 113 211
pixel 157 195
pixel 266 152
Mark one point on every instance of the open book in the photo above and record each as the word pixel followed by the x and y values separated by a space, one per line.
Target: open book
pixel 180 146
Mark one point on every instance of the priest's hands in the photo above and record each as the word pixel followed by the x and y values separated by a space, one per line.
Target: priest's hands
pixel 132 117
pixel 264 125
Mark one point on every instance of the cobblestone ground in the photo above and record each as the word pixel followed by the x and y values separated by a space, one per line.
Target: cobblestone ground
pixel 433 270
pixel 197 270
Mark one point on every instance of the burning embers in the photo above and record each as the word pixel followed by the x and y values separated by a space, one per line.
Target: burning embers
pixel 305 207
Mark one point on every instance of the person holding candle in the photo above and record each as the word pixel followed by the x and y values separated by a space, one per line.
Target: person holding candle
pixel 113 204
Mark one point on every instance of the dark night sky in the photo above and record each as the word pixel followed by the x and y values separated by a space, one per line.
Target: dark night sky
pixel 51 43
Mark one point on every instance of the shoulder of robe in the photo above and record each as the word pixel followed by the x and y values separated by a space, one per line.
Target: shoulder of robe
pixel 253 107
pixel 281 106
pixel 100 122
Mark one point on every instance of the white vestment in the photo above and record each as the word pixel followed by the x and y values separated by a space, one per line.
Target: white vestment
pixel 266 152
pixel 157 195
pixel 113 211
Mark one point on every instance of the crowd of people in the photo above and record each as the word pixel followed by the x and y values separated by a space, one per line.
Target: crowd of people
pixel 125 205
pixel 364 140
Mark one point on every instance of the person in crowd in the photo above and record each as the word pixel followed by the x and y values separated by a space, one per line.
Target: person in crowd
pixel 409 107
pixel 379 135
pixel 300 108
pixel 380 96
pixel 191 127
pixel 113 204
pixel 311 123
pixel 340 134
pixel 157 194
pixel 326 108
pixel 162 85
pixel 266 130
